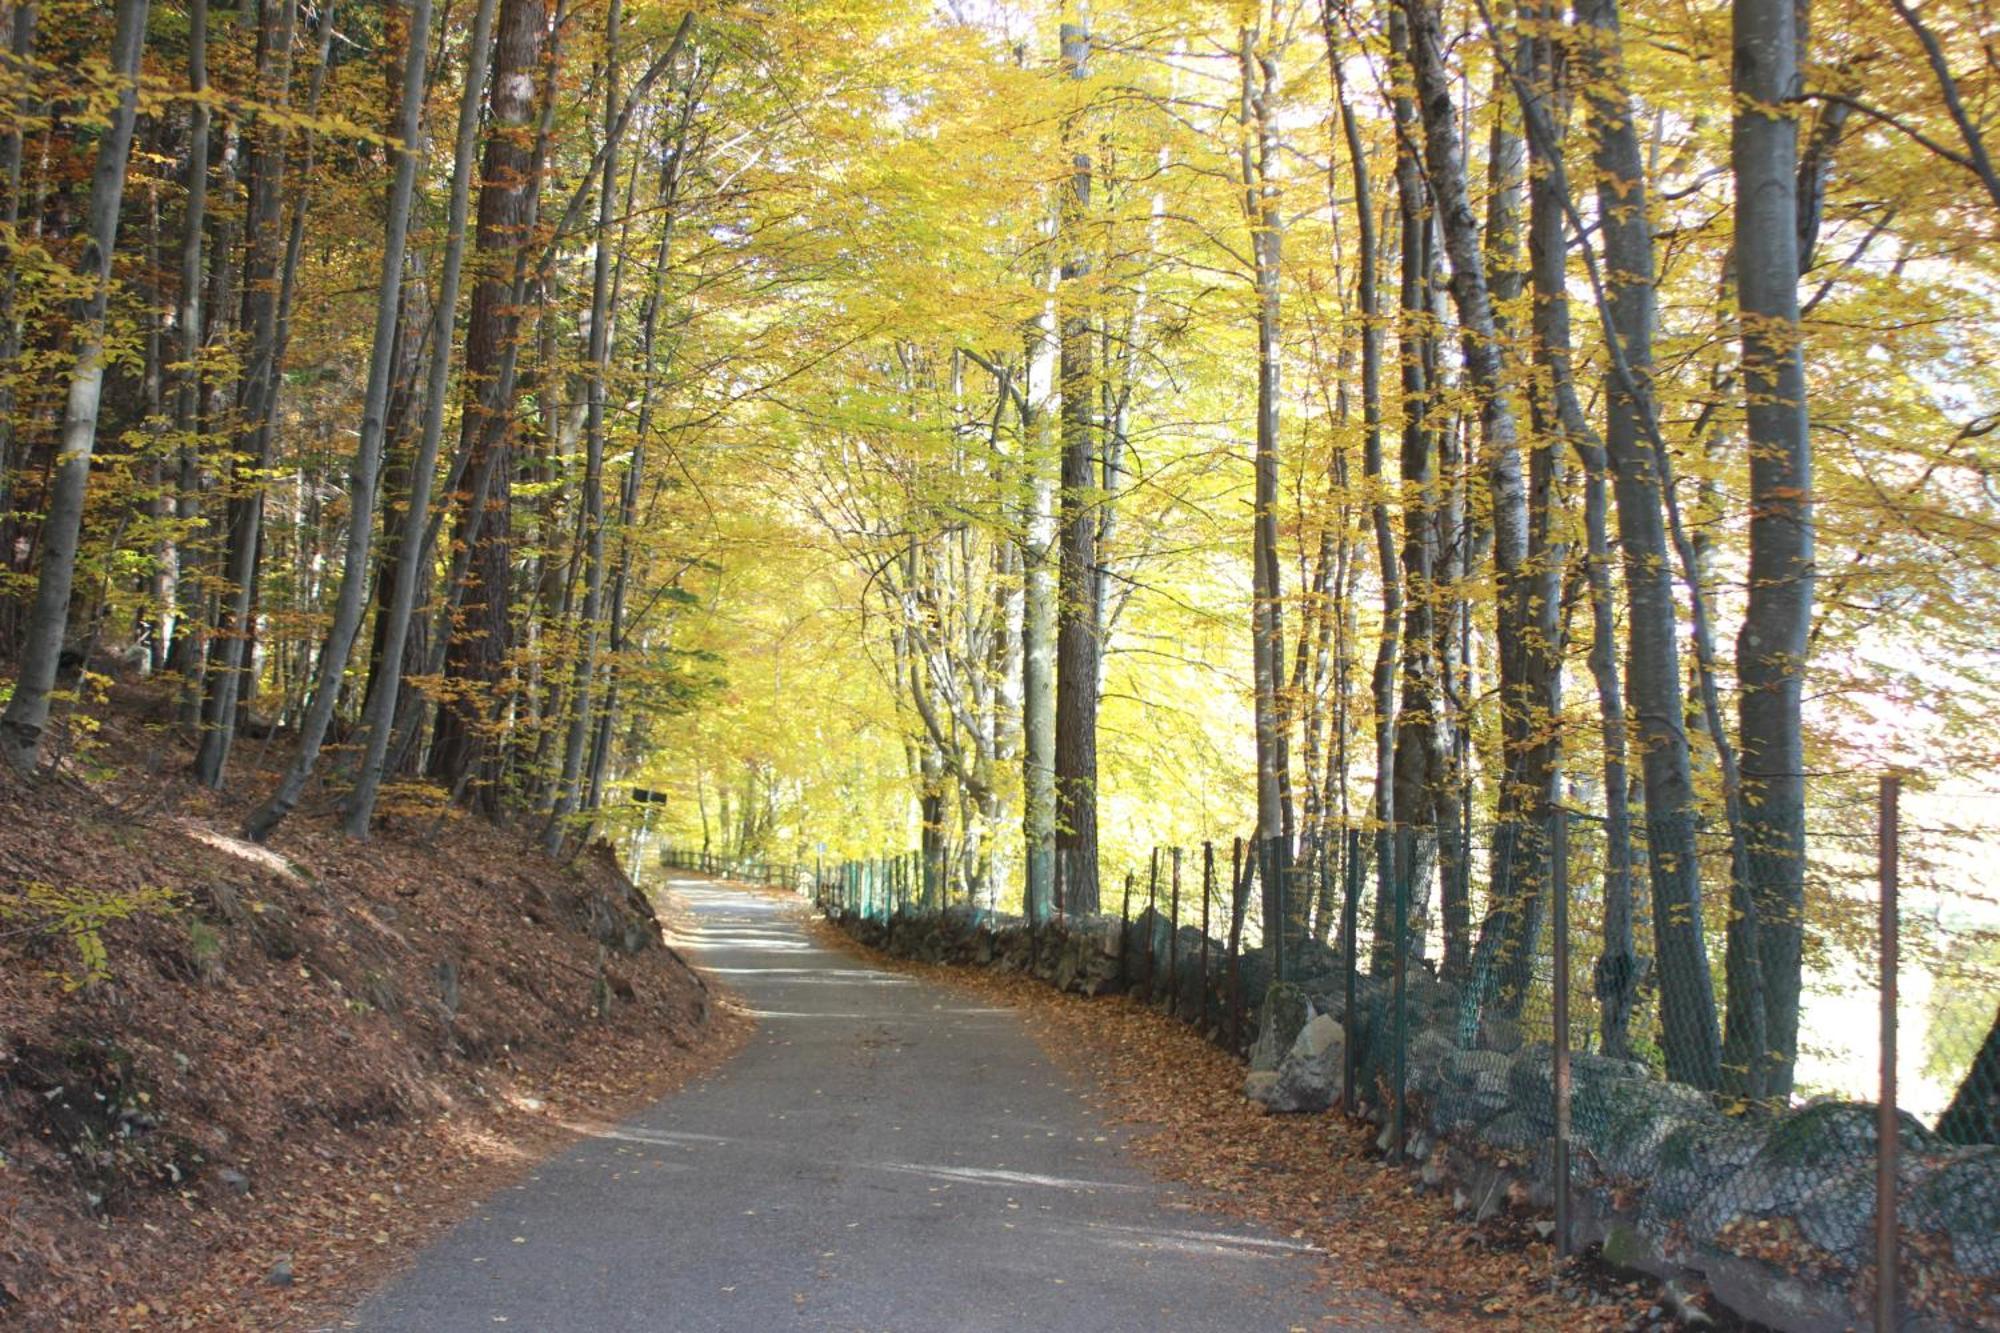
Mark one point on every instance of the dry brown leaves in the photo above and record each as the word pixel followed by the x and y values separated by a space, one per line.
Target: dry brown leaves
pixel 289 1024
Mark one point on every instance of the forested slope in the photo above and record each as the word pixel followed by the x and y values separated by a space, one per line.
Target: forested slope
pixel 231 1075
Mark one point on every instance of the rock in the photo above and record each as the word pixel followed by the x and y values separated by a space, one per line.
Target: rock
pixel 1961 1199
pixel 1498 1033
pixel 1309 1078
pixel 1623 1123
pixel 1513 1133
pixel 1282 1016
pixel 281 1272
pixel 1815 1166
pixel 235 1180
pixel 1692 1161
pixel 1261 1085
pixel 1626 1250
pixel 447 987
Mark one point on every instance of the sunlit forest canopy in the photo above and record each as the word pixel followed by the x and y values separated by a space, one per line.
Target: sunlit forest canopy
pixel 1024 436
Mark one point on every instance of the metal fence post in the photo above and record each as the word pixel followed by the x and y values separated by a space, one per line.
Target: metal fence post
pixel 1236 905
pixel 1124 931
pixel 1281 887
pixel 1559 891
pixel 1399 998
pixel 1174 942
pixel 1207 893
pixel 1885 1123
pixel 1349 928
pixel 1152 924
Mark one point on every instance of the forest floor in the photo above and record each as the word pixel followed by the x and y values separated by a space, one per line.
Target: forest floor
pixel 291 1065
pixel 1314 1179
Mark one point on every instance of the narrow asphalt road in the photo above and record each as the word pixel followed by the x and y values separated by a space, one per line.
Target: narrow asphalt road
pixel 884 1155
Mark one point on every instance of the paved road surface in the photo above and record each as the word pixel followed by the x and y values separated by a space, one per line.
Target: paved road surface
pixel 884 1156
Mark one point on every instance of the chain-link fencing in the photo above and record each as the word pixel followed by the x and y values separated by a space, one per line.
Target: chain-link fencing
pixel 1672 1044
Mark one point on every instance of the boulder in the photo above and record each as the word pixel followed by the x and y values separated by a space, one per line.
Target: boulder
pixel 1472 1090
pixel 1960 1199
pixel 1283 1015
pixel 1309 1077
pixel 1622 1123
pixel 1813 1166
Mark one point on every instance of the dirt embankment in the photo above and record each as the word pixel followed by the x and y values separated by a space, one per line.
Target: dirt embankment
pixel 236 1082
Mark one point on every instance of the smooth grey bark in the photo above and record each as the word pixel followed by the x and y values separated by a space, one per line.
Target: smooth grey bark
pixel 1412 827
pixel 1038 619
pixel 200 607
pixel 666 201
pixel 592 516
pixel 1527 787
pixel 1617 972
pixel 1382 680
pixel 21 28
pixel 349 600
pixel 1258 66
pixel 1077 626
pixel 379 717
pixel 187 388
pixel 27 712
pixel 1771 644
pixel 230 660
pixel 1530 632
pixel 1691 1039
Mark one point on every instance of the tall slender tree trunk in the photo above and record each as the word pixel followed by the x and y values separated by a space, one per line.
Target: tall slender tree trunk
pixel 1077 629
pixel 476 639
pixel 380 715
pixel 592 515
pixel 1692 1042
pixel 1038 616
pixel 27 713
pixel 187 382
pixel 1617 970
pixel 349 600
pixel 232 657
pixel 21 27
pixel 1382 684
pixel 1771 646
pixel 1256 113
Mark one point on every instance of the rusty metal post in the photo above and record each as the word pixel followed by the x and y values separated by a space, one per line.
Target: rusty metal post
pixel 1236 872
pixel 1559 890
pixel 1885 1122
pixel 1152 924
pixel 1174 941
pixel 1349 925
pixel 1207 892
pixel 1124 932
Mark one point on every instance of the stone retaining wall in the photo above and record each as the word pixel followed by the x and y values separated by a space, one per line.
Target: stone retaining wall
pixel 1774 1214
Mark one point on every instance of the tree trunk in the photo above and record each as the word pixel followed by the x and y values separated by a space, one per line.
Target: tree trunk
pixel 592 515
pixel 1077 664
pixel 1038 620
pixel 1383 679
pixel 477 638
pixel 1974 1113
pixel 1691 1040
pixel 231 659
pixel 349 599
pixel 1617 972
pixel 27 712
pixel 1256 110
pixel 1771 646
pixel 21 28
